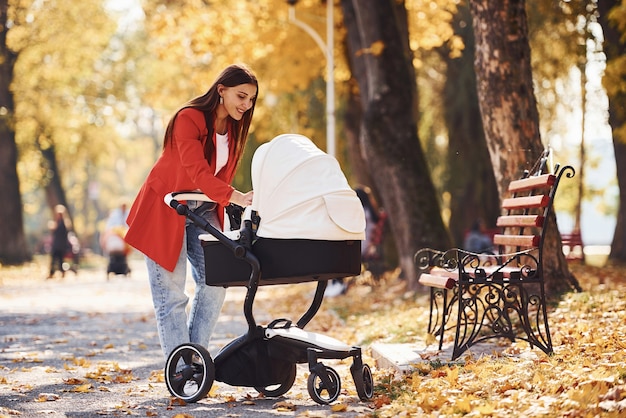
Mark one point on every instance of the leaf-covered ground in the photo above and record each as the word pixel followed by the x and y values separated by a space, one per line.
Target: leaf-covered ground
pixel 586 377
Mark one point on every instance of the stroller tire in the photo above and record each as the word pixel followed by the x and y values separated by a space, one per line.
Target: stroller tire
pixel 189 372
pixel 274 391
pixel 364 382
pixel 321 392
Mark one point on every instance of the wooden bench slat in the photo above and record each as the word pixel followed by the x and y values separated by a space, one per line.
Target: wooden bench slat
pixel 520 220
pixel 526 202
pixel 441 272
pixel 437 281
pixel 517 240
pixel 531 183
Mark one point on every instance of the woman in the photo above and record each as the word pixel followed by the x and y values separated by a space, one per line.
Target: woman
pixel 203 144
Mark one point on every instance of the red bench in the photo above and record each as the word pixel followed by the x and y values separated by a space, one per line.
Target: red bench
pixel 499 295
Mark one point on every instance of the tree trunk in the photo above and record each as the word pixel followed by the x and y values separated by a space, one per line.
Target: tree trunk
pixel 55 193
pixel 616 76
pixel 13 248
pixel 471 183
pixel 382 64
pixel 509 112
pixel 353 118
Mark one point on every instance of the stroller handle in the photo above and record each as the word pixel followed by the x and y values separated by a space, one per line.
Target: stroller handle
pixel 188 195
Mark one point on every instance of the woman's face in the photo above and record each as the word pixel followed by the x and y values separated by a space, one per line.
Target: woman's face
pixel 238 99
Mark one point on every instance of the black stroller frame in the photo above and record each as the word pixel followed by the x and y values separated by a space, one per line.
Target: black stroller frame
pixel 265 357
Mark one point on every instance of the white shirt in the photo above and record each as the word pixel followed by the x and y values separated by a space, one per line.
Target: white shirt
pixel 221 151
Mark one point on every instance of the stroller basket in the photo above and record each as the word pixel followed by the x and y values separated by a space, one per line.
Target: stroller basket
pixel 283 261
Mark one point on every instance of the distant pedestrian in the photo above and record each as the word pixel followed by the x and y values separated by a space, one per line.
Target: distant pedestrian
pixel 476 240
pixel 60 244
pixel 117 217
pixel 372 217
pixel 112 238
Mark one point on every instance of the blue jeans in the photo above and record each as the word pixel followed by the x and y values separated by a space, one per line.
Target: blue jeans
pixel 170 300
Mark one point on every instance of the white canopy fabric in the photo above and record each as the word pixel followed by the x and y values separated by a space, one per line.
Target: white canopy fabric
pixel 300 192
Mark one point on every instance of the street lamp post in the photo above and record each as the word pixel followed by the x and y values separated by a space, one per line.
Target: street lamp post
pixel 330 66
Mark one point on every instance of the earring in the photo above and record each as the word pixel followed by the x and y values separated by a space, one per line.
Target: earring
pixel 221 100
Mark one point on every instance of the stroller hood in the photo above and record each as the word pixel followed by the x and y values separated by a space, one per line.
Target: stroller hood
pixel 301 192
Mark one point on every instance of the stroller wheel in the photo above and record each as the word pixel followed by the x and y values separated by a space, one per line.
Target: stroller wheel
pixel 364 382
pixel 274 391
pixel 189 372
pixel 324 393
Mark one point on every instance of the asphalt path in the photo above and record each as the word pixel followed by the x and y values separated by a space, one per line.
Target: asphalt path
pixel 86 346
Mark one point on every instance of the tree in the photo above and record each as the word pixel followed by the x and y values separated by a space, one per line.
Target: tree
pixel 13 248
pixel 509 111
pixel 613 22
pixel 381 61
pixel 471 182
pixel 65 90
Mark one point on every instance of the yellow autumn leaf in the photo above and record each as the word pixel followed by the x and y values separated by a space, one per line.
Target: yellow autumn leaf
pixel 213 391
pixel 46 397
pixel 81 362
pixel 123 378
pixel 86 388
pixel 452 376
pixel 339 407
pixel 377 48
pixel 157 376
pixel 486 409
pixel 463 405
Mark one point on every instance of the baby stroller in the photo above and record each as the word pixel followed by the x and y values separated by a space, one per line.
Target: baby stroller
pixel 305 224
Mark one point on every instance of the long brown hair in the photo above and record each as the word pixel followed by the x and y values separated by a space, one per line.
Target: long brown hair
pixel 233 75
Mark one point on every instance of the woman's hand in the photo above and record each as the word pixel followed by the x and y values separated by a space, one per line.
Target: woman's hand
pixel 242 199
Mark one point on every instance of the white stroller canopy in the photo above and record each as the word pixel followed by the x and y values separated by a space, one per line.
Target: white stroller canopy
pixel 301 192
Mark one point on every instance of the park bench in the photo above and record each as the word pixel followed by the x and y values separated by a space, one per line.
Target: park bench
pixel 573 246
pixel 499 294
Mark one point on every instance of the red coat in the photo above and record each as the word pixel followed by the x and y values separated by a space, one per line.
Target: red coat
pixel 156 229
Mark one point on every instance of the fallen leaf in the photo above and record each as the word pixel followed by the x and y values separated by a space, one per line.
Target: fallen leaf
pixel 86 388
pixel 46 397
pixel 339 407
pixel 284 406
pixel 177 402
pixel 74 381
